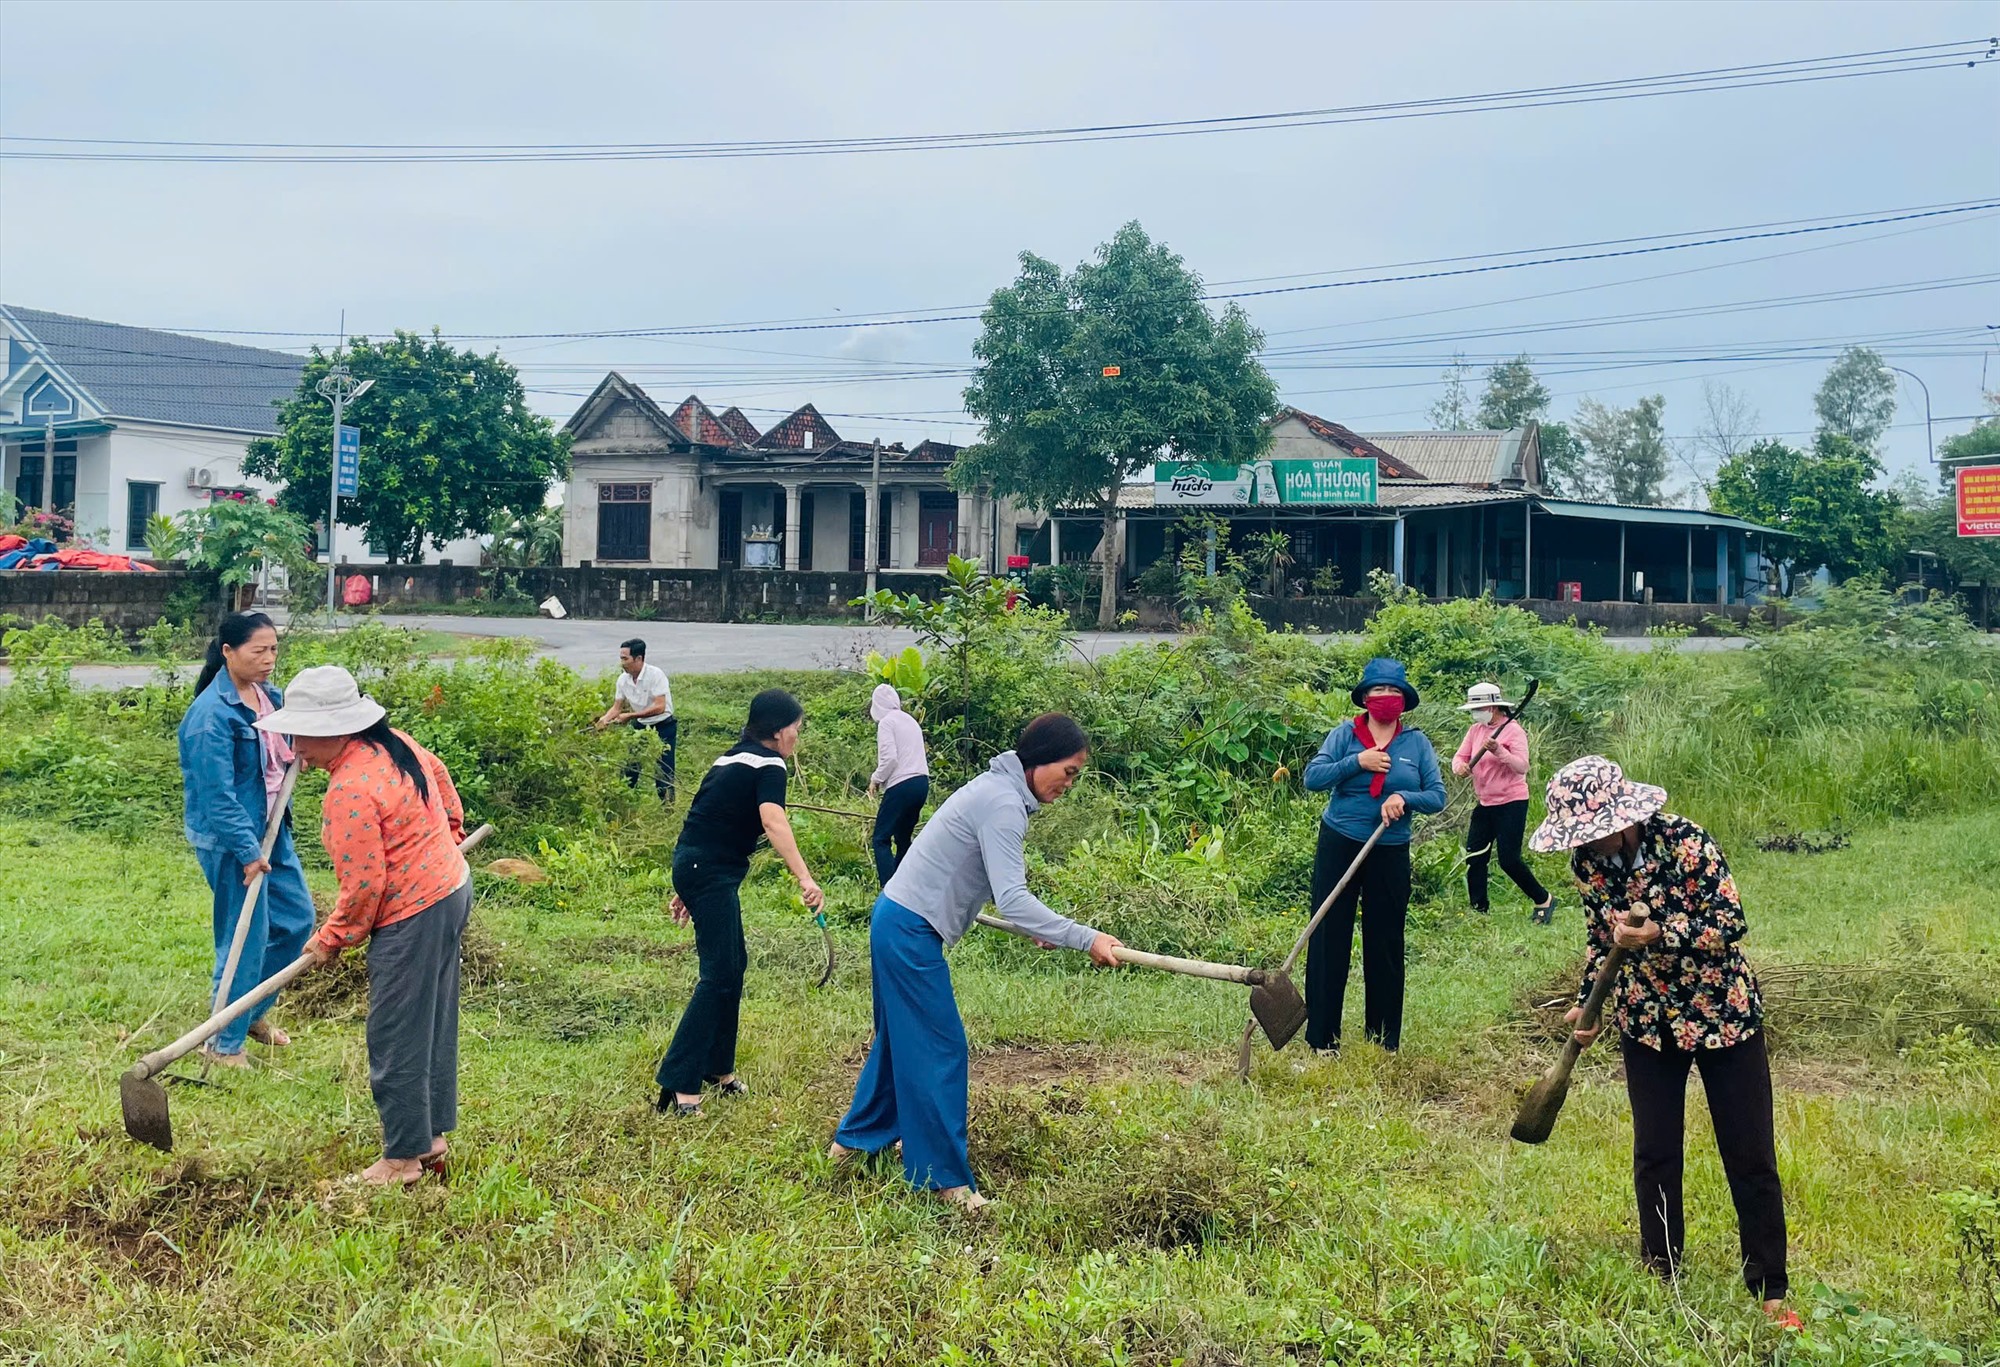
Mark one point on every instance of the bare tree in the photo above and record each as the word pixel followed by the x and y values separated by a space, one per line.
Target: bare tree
pixel 1728 423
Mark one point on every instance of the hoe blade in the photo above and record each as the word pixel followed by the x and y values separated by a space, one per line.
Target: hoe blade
pixel 1279 1009
pixel 1536 1119
pixel 145 1104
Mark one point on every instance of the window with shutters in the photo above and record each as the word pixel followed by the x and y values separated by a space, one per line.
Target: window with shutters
pixel 624 522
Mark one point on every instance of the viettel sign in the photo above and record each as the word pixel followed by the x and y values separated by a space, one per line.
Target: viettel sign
pixel 1979 501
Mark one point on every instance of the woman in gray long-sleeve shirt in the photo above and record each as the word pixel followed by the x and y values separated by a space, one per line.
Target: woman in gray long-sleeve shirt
pixel 913 1087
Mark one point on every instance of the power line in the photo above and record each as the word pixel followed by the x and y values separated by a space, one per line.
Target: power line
pixel 1793 71
pixel 1562 256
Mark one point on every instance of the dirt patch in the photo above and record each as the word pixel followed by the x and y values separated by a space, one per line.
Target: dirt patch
pixel 1802 842
pixel 638 947
pixel 1040 1066
pixel 340 988
pixel 165 1230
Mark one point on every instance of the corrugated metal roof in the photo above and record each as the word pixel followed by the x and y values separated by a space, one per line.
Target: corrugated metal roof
pixel 1629 512
pixel 1457 457
pixel 139 373
pixel 1390 494
pixel 1444 496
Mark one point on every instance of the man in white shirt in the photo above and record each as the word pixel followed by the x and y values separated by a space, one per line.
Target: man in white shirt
pixel 645 700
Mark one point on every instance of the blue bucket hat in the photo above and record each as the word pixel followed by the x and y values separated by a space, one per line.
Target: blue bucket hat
pixel 1382 670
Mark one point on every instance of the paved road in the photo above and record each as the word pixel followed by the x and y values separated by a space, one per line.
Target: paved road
pixel 591 646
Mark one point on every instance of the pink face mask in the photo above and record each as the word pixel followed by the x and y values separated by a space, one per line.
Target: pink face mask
pixel 1386 708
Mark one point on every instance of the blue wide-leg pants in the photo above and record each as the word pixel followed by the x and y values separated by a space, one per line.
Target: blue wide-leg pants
pixel 913 1086
pixel 280 925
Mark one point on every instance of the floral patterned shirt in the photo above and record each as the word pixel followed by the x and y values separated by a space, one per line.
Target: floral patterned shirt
pixel 1691 988
pixel 393 852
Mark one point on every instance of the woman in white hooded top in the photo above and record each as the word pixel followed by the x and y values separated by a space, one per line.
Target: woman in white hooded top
pixel 902 775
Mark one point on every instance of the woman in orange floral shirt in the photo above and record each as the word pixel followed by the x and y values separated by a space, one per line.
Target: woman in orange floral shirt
pixel 1684 999
pixel 391 823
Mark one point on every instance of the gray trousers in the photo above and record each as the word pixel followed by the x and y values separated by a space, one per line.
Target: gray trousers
pixel 413 1024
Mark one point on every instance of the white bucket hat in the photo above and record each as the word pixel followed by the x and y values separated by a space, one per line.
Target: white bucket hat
pixel 1481 696
pixel 323 701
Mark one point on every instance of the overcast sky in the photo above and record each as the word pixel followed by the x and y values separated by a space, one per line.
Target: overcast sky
pixel 551 248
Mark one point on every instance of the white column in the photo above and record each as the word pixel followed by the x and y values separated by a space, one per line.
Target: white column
pixel 968 529
pixel 793 532
pixel 1055 540
pixel 1396 552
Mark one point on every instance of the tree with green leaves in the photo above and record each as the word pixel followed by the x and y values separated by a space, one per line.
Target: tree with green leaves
pixel 1084 379
pixel 527 540
pixel 1453 410
pixel 1821 497
pixel 1627 448
pixel 1514 397
pixel 1565 464
pixel 1857 398
pixel 448 444
pixel 1982 440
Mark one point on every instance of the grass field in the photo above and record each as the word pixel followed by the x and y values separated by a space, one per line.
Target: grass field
pixel 1151 1209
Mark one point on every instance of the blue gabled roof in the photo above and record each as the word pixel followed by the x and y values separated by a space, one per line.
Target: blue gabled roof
pixel 142 374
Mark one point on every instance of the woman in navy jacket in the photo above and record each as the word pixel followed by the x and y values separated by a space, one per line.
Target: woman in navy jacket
pixel 1377 772
pixel 231 774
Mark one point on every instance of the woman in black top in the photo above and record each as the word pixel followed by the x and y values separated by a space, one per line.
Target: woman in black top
pixel 742 798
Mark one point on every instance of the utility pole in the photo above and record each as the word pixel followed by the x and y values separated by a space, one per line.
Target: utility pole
pixel 338 385
pixel 871 557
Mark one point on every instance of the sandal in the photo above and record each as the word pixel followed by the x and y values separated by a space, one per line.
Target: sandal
pixel 1544 914
pixel 268 1034
pixel 669 1104
pixel 393 1179
pixel 239 1059
pixel 433 1162
pixel 734 1087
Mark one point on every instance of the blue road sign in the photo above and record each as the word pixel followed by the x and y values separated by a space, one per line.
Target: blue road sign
pixel 348 452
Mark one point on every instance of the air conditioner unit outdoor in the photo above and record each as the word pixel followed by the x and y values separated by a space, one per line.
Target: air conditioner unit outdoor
pixel 201 477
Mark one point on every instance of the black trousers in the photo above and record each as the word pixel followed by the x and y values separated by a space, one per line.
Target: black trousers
pixel 1738 1082
pixel 896 823
pixel 1382 888
pixel 668 733
pixel 1498 830
pixel 704 1044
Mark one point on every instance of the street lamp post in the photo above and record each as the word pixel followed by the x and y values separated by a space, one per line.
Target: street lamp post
pixel 339 386
pixel 1928 439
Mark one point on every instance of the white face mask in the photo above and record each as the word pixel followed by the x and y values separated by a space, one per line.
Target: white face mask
pixel 1487 717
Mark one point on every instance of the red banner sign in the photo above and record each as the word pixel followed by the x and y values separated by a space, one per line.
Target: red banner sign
pixel 1979 501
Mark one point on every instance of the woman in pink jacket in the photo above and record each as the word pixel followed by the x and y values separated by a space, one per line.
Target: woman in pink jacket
pixel 1497 759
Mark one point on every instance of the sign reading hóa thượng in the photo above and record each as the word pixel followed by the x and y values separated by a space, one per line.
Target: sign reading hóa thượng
pixel 1979 501
pixel 1327 480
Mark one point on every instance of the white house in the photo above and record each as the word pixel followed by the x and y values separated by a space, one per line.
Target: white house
pixel 143 422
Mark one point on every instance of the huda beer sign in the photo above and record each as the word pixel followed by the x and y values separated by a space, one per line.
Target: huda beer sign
pixel 1325 482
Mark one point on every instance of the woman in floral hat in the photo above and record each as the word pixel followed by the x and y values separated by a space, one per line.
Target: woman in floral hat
pixel 1684 999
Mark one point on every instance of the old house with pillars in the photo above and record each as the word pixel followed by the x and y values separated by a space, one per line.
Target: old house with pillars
pixel 691 488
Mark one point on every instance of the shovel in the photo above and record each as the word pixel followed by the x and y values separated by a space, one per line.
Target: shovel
pixel 1284 1005
pixel 144 1100
pixel 1544 1101
pixel 1268 1004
